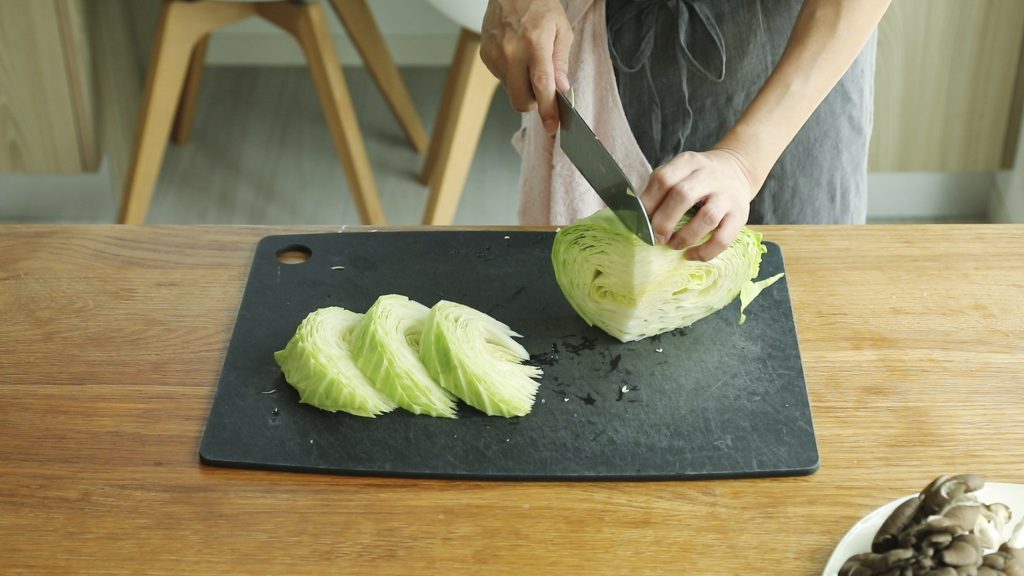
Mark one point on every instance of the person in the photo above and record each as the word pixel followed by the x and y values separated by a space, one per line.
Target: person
pixel 748 111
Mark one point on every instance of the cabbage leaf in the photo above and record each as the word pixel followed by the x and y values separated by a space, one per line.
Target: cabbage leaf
pixel 632 290
pixel 317 362
pixel 385 346
pixel 474 356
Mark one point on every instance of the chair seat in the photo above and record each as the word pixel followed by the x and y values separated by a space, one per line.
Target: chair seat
pixel 468 14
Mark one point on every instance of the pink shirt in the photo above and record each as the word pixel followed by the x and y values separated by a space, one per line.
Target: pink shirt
pixel 551 190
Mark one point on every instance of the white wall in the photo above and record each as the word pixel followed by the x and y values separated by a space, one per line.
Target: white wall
pixel 1008 197
pixel 416 34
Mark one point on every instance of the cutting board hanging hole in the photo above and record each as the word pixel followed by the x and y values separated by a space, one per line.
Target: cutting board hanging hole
pixel 294 254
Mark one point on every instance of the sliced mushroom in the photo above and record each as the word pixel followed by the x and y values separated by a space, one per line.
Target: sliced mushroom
pixel 943 531
pixel 872 564
pixel 963 516
pixel 887 537
pixel 945 490
pixel 1007 561
pixel 963 551
pixel 1016 540
pixel 993 525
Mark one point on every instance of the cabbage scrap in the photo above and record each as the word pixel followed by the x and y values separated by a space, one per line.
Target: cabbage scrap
pixel 632 290
pixel 473 356
pixel 317 362
pixel 386 348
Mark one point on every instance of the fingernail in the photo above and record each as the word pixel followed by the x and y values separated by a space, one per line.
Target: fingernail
pixel 550 126
pixel 659 239
pixel 690 254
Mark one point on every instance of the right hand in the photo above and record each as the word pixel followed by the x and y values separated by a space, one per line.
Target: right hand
pixel 525 44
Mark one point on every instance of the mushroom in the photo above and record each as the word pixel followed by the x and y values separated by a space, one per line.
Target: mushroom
pixel 963 551
pixel 993 525
pixel 964 516
pixel 1007 561
pixel 942 531
pixel 946 490
pixel 871 564
pixel 1016 540
pixel 887 537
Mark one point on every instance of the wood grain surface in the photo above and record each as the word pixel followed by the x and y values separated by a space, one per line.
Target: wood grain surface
pixel 46 116
pixel 112 340
pixel 945 85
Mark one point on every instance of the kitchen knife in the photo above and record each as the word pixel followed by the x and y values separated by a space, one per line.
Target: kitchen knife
pixel 601 170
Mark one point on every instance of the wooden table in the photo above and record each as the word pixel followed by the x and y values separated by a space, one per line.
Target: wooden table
pixel 112 339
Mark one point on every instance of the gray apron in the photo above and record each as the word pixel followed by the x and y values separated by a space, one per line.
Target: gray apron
pixel 687 69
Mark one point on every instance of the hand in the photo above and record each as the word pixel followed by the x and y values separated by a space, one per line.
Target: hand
pixel 525 44
pixel 719 181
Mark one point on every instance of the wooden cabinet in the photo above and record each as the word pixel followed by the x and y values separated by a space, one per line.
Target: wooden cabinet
pixel 947 95
pixel 47 120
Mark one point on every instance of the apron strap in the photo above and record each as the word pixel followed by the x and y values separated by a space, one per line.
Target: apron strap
pixel 653 45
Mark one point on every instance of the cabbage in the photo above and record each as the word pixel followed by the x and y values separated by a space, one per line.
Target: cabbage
pixel 473 356
pixel 386 348
pixel 632 290
pixel 318 364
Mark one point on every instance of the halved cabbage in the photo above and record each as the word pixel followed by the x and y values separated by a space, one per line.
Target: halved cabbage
pixel 318 363
pixel 386 348
pixel 473 356
pixel 632 290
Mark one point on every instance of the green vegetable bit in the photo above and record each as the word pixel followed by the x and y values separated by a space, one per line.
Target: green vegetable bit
pixel 317 362
pixel 386 348
pixel 632 290
pixel 475 357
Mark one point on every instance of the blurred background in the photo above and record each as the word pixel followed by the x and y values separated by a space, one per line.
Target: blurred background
pixel 236 131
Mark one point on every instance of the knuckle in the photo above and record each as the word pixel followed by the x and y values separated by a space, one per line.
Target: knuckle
pixel 536 39
pixel 509 45
pixel 488 54
pixel 662 225
pixel 694 159
pixel 681 193
pixel 540 78
pixel 662 179
pixel 519 105
pixel 712 215
pixel 718 242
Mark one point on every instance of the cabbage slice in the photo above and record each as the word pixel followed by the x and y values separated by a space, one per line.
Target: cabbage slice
pixel 386 348
pixel 317 362
pixel 632 290
pixel 750 291
pixel 474 356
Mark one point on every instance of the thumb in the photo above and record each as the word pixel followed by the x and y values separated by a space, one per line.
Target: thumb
pixel 563 43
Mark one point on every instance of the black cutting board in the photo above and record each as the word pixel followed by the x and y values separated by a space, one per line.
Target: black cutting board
pixel 713 400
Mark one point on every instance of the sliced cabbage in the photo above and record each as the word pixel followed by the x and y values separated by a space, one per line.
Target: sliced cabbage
pixel 318 364
pixel 632 290
pixel 385 346
pixel 750 291
pixel 473 356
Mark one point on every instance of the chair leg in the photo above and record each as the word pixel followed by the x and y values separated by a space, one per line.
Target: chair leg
pixel 308 24
pixel 183 120
pixel 182 25
pixel 355 15
pixel 467 98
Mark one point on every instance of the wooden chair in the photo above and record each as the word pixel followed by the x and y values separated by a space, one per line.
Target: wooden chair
pixel 467 98
pixel 175 73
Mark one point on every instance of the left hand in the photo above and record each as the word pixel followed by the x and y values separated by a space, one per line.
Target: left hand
pixel 720 181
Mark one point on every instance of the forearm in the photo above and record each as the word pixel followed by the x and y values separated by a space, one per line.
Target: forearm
pixel 826 39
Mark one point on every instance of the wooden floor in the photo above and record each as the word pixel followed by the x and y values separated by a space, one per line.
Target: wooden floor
pixel 261 154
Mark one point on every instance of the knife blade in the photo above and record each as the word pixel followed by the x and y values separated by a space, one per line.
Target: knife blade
pixel 600 170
